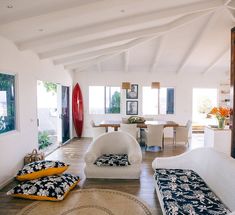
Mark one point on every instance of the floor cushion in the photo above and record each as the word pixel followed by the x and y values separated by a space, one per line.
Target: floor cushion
pixel 40 169
pixel 53 188
pixel 112 160
pixel 185 192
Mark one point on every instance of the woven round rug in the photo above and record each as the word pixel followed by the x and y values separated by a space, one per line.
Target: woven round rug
pixel 91 202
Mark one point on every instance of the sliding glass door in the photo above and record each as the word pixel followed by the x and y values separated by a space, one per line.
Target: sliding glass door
pixel 65 114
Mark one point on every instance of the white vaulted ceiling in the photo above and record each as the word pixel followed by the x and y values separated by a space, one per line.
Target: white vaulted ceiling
pixel 123 35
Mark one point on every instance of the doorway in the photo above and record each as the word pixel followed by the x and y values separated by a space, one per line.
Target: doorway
pixel 53 115
pixel 204 99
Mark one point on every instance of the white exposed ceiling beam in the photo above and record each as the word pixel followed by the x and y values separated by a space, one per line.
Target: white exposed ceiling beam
pixel 149 32
pixel 230 4
pixel 226 2
pixel 97 53
pixel 230 13
pixel 220 57
pixel 126 60
pixel 143 40
pixel 199 36
pixel 157 54
pixel 84 64
pixel 115 24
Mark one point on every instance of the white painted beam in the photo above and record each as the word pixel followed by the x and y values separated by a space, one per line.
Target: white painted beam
pixel 126 60
pixel 84 64
pixel 116 24
pixel 157 54
pixel 217 60
pixel 149 32
pixel 230 4
pixel 226 2
pixel 199 36
pixel 97 53
pixel 230 13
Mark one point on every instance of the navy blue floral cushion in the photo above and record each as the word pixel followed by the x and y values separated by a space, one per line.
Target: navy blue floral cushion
pixel 112 160
pixel 185 192
pixel 53 188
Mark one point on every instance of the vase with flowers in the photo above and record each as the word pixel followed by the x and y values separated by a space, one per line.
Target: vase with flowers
pixel 221 113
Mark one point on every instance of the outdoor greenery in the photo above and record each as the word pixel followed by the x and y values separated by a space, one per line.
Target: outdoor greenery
pixel 7 86
pixel 50 87
pixel 43 140
pixel 114 106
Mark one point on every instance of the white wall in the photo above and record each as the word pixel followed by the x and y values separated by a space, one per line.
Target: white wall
pixel 28 69
pixel 183 84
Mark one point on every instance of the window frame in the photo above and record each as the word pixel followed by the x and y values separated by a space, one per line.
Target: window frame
pixel 104 108
pixel 159 100
pixel 16 92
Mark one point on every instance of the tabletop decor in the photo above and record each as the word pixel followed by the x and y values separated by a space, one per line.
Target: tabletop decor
pixel 221 113
pixel 136 119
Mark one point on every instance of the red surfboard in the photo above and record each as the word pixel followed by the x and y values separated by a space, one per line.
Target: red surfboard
pixel 77 110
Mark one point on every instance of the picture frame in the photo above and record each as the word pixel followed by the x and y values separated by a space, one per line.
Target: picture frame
pixel 133 92
pixel 132 108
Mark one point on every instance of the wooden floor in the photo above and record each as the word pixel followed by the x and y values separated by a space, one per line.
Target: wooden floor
pixel 73 152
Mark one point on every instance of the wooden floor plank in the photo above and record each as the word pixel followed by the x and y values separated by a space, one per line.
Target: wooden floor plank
pixel 73 153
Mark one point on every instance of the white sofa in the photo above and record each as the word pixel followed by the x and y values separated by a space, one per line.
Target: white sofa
pixel 215 168
pixel 116 142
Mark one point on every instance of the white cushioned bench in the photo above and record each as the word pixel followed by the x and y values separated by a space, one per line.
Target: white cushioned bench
pixel 217 173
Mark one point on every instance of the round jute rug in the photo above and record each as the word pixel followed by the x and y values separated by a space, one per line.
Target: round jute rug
pixel 91 202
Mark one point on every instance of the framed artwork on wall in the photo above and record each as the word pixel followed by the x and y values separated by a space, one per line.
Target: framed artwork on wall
pixel 133 92
pixel 132 108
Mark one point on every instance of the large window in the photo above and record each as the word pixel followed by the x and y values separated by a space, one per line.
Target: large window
pixel 7 103
pixel 150 101
pixel 104 100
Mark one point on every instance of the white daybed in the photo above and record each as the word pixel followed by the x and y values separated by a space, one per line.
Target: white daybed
pixel 215 168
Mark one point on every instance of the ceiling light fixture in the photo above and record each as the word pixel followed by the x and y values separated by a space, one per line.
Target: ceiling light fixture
pixel 126 85
pixel 155 85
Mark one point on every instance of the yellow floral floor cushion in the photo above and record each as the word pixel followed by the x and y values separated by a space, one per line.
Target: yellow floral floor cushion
pixel 40 169
pixel 53 188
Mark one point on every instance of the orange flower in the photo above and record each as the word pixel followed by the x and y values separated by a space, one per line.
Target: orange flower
pixel 214 111
pixel 220 112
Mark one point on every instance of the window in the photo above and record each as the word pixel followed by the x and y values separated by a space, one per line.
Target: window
pixel 7 103
pixel 104 100
pixel 96 100
pixel 167 101
pixel 150 101
pixel 112 101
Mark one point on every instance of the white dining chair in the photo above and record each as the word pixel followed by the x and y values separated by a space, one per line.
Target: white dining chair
pixel 130 129
pixel 96 131
pixel 183 133
pixel 154 135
